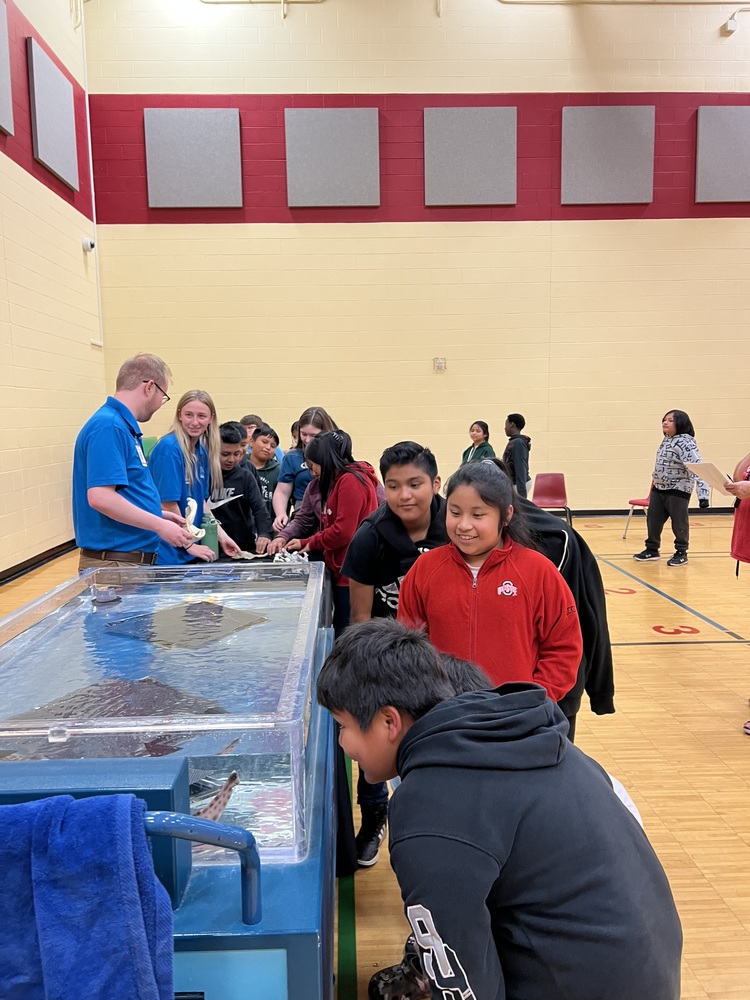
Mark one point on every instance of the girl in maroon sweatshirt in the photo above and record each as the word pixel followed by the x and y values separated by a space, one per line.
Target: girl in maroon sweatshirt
pixel 489 598
pixel 348 494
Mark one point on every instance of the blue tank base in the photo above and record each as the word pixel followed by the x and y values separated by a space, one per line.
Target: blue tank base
pixel 289 954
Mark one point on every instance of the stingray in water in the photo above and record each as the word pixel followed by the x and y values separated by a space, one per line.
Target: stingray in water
pixel 219 801
pixel 111 699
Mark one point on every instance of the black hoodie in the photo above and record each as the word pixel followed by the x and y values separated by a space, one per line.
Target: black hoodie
pixel 524 877
pixel 382 553
pixel 580 570
pixel 516 459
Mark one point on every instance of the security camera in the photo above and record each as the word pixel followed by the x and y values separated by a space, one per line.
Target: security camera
pixel 88 244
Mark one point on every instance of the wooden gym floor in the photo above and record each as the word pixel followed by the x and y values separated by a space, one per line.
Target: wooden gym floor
pixel 682 674
pixel 682 656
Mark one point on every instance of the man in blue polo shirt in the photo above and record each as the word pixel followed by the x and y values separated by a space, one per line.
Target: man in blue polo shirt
pixel 117 513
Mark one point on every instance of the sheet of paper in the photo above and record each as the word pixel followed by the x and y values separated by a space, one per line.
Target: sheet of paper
pixel 710 474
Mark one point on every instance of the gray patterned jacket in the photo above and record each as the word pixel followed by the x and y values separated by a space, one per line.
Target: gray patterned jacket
pixel 670 472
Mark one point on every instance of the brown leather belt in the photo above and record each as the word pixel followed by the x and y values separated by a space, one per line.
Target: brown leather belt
pixel 139 558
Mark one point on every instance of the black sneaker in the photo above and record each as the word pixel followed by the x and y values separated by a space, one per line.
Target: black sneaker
pixel 647 556
pixel 678 559
pixel 406 981
pixel 371 834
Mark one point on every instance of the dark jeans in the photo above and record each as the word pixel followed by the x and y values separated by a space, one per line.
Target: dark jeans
pixel 572 731
pixel 371 795
pixel 667 505
pixel 367 794
pixel 341 609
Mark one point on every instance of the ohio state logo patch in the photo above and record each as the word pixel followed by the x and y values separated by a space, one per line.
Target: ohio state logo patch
pixel 507 589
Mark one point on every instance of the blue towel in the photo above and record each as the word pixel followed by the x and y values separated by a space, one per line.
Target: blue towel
pixel 82 915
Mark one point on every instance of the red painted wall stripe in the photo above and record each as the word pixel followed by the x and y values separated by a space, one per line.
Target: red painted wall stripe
pixel 120 158
pixel 19 146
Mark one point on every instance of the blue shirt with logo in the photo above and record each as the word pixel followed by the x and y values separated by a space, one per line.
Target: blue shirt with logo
pixel 108 452
pixel 167 466
pixel 294 471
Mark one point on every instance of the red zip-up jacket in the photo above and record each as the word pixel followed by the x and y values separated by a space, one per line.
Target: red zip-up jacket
pixel 349 503
pixel 518 620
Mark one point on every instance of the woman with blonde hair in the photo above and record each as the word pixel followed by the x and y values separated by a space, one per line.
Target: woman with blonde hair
pixel 185 464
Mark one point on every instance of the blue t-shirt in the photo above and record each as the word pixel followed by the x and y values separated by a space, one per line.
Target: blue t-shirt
pixel 294 471
pixel 108 452
pixel 167 466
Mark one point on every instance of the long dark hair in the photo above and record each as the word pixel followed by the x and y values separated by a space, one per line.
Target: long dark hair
pixel 332 451
pixel 682 422
pixel 495 489
pixel 483 427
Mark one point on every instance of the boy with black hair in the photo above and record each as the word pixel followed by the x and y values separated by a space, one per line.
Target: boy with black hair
pixel 553 891
pixel 262 457
pixel 245 515
pixel 516 454
pixel 390 540
pixel 384 548
pixel 251 422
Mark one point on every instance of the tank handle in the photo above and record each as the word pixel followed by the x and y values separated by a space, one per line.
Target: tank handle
pixel 206 831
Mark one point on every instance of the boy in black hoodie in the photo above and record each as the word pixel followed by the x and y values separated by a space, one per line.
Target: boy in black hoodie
pixel 389 542
pixel 516 454
pixel 244 517
pixel 524 877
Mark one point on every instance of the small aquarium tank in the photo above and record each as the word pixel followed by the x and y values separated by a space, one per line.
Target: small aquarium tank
pixel 213 663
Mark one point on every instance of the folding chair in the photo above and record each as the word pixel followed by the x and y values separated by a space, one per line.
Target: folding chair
pixel 636 503
pixel 550 493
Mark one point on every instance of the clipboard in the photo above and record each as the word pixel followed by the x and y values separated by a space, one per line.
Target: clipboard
pixel 710 474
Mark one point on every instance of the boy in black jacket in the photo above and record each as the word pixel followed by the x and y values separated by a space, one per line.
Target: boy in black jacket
pixel 245 515
pixel 391 539
pixel 516 454
pixel 384 548
pixel 524 877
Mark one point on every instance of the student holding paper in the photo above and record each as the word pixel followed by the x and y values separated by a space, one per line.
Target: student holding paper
pixel 673 486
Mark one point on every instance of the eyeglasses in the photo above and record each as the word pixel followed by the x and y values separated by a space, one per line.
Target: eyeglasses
pixel 166 397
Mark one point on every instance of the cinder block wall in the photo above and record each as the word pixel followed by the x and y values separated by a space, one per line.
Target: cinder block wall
pixel 592 329
pixel 51 376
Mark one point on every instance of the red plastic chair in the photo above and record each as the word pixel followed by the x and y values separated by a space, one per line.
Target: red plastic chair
pixel 550 493
pixel 636 503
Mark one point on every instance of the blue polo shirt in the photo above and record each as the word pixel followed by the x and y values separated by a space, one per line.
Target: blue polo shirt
pixel 167 466
pixel 108 452
pixel 294 471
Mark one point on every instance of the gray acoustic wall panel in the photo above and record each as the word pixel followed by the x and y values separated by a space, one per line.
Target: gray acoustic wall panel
pixel 722 170
pixel 608 155
pixel 6 97
pixel 332 157
pixel 470 156
pixel 193 157
pixel 53 119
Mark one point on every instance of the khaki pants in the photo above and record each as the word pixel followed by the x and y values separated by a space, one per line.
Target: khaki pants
pixel 84 562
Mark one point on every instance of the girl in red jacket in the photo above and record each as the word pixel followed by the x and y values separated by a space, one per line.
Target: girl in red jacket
pixel 489 598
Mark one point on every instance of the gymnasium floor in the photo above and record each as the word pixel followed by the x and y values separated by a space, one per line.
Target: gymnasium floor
pixel 682 670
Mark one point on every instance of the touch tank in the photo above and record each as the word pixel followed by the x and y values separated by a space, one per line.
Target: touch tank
pixel 211 663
